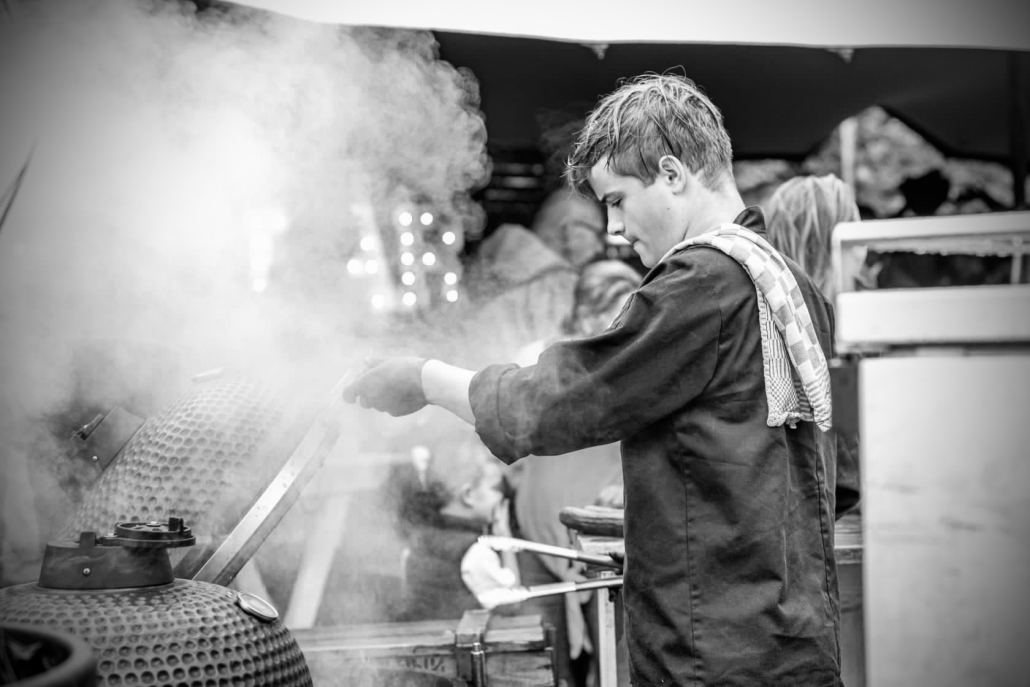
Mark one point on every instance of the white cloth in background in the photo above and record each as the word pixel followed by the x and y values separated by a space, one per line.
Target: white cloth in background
pixel 484 570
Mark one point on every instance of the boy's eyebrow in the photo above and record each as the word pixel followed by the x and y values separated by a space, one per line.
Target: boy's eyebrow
pixel 607 196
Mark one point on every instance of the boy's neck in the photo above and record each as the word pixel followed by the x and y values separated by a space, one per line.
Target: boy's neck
pixel 721 206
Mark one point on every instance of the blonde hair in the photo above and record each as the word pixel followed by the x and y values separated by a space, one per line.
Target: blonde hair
pixel 801 216
pixel 645 119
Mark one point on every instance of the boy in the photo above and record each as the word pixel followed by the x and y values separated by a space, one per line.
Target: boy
pixel 730 577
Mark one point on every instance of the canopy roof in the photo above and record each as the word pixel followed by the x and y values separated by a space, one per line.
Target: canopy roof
pixel 941 66
pixel 778 101
pixel 998 24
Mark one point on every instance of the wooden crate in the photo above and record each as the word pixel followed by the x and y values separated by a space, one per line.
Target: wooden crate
pixel 517 652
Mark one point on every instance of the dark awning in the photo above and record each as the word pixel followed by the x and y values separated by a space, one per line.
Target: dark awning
pixel 778 101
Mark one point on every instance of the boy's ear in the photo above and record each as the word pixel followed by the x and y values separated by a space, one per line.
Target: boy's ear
pixel 674 173
pixel 466 494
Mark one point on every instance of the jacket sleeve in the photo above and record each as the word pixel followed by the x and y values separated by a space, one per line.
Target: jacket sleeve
pixel 657 357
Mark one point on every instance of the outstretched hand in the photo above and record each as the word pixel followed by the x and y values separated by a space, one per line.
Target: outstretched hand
pixel 393 386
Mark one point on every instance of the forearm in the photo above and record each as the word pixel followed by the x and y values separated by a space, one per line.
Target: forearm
pixel 448 387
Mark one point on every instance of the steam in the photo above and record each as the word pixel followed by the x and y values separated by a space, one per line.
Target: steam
pixel 198 182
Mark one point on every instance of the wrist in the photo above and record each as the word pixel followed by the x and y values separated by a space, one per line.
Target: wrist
pixel 448 387
pixel 425 376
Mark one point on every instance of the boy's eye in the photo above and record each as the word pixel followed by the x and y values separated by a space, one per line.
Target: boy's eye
pixel 615 203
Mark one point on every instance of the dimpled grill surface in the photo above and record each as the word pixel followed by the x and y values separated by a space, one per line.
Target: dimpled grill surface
pixel 185 634
pixel 202 459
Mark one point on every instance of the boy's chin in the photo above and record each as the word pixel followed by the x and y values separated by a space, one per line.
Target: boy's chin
pixel 646 259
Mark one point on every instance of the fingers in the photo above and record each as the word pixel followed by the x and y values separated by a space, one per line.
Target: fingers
pixel 350 393
pixel 358 392
pixel 391 385
pixel 357 387
pixel 355 397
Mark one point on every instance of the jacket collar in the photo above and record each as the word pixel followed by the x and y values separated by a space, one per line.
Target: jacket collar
pixel 752 218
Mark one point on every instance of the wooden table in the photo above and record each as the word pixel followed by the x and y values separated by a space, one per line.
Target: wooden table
pixel 481 649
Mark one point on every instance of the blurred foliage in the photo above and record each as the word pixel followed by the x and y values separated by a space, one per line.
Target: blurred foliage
pixel 887 152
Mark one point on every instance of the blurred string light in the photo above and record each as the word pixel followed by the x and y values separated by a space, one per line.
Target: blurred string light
pixel 419 255
pixel 369 265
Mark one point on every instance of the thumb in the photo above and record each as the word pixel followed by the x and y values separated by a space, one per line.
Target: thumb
pixel 357 387
pixel 354 389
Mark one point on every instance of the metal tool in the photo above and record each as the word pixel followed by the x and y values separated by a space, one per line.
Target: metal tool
pixel 237 548
pixel 468 647
pixel 503 597
pixel 498 543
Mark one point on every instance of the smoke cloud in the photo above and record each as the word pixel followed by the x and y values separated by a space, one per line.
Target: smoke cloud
pixel 197 181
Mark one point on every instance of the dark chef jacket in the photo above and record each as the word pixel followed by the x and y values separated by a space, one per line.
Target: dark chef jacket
pixel 730 575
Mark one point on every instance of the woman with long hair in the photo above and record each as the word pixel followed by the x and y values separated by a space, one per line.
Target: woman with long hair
pixel 802 214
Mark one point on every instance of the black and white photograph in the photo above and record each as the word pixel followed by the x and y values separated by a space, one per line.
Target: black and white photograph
pixel 385 343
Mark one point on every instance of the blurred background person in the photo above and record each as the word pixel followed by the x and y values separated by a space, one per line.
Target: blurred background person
pixel 573 226
pixel 924 197
pixel 521 281
pixel 924 194
pixel 933 194
pixel 441 503
pixel 802 213
pixel 546 484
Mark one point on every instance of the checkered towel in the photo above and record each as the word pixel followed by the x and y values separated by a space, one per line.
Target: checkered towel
pixel 797 379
